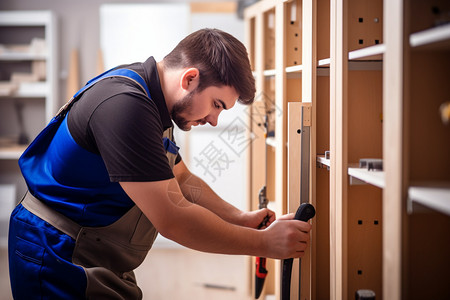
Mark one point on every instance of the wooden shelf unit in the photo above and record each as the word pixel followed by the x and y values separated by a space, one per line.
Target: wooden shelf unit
pixel 27 38
pixel 375 74
pixel 28 63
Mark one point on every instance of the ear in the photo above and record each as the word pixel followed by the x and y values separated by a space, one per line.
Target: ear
pixel 190 79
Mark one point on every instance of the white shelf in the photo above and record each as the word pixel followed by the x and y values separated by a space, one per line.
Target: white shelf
pixel 11 152
pixel 369 53
pixel 324 62
pixel 321 159
pixel 269 73
pixel 270 141
pixel 293 69
pixel 11 56
pixel 435 196
pixel 362 176
pixel 25 18
pixel 430 36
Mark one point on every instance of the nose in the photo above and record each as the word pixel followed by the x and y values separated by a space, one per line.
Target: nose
pixel 212 119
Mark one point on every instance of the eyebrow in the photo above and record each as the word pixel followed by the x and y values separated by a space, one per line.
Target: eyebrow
pixel 223 103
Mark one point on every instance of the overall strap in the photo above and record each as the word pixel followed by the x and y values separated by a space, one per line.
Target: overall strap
pixel 125 73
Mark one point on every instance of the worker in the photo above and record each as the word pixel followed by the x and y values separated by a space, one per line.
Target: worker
pixel 104 177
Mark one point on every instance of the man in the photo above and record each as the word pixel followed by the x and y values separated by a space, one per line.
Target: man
pixel 104 177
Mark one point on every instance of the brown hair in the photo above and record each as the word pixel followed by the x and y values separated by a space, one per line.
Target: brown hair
pixel 220 58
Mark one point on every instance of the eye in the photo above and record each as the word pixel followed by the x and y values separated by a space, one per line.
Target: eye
pixel 217 105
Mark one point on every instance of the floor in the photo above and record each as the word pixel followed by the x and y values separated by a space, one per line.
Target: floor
pixel 195 275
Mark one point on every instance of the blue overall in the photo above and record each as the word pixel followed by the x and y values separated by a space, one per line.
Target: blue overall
pixel 73 182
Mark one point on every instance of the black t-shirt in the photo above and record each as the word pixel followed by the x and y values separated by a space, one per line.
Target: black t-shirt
pixel 116 120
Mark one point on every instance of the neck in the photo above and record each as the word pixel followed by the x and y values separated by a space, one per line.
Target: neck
pixel 165 85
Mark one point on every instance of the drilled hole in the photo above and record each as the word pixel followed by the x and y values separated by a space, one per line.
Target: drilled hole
pixel 377 42
pixel 360 41
pixel 359 272
pixel 360 20
pixel 375 222
pixel 359 222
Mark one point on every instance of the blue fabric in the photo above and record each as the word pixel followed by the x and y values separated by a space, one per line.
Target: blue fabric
pixel 170 146
pixel 74 182
pixel 40 260
pixel 115 72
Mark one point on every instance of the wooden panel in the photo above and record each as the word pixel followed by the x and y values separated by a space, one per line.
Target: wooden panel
pixel 294 169
pixel 364 115
pixel 321 262
pixel 323 29
pixel 269 40
pixel 429 137
pixel 293 25
pixel 365 26
pixel 294 89
pixel 424 16
pixel 364 236
pixel 428 266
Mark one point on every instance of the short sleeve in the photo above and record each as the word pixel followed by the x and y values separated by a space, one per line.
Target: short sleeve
pixel 128 133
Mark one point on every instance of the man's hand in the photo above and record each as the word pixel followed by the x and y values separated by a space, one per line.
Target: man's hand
pixel 287 238
pixel 254 219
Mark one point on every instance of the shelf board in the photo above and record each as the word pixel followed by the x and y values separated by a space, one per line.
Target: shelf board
pixel 293 69
pixel 432 195
pixel 270 141
pixel 16 56
pixel 269 73
pixel 11 152
pixel 324 62
pixel 322 160
pixel 25 18
pixel 369 53
pixel 29 90
pixel 362 175
pixel 439 34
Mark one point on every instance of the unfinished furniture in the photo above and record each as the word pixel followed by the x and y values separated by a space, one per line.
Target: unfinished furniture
pixel 375 75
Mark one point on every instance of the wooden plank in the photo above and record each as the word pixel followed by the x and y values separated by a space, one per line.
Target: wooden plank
pixel 73 79
pixel 338 148
pixel 309 61
pixel 393 155
pixel 294 169
pixel 280 122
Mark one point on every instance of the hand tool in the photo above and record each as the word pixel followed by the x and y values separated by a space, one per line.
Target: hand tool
pixel 261 271
pixel 305 212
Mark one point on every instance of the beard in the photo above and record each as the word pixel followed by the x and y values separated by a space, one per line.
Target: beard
pixel 180 107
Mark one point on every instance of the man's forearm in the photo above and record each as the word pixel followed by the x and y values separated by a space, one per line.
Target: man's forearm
pixel 197 191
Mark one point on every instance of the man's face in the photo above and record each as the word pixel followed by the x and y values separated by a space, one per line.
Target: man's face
pixel 200 108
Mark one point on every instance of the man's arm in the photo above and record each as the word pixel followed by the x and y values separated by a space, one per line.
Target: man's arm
pixel 197 191
pixel 198 228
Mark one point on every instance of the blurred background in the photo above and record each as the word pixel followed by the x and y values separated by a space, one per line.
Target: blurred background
pixel 69 42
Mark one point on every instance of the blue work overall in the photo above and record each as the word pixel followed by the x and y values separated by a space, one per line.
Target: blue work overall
pixel 51 256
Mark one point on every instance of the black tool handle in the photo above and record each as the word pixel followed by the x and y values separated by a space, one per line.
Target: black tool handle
pixel 305 212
